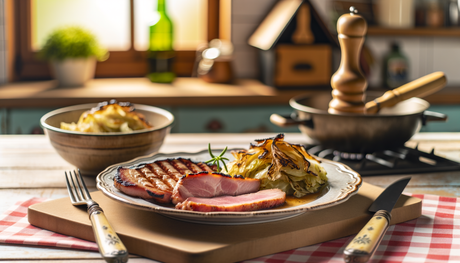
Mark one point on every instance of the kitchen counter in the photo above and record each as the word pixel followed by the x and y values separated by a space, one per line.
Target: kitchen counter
pixel 23 104
pixel 30 167
pixel 183 92
pixel 244 106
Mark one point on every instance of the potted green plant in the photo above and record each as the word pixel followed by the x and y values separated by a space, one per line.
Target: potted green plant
pixel 73 52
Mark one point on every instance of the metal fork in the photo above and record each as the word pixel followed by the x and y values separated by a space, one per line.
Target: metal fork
pixel 110 245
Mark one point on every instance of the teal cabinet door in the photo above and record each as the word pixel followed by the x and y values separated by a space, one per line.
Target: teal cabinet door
pixel 238 119
pixel 3 121
pixel 225 119
pixel 453 119
pixel 26 121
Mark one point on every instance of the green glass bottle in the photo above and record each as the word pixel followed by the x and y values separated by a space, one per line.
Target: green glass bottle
pixel 161 54
pixel 395 68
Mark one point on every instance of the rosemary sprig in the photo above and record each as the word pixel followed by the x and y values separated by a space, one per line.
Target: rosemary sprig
pixel 217 159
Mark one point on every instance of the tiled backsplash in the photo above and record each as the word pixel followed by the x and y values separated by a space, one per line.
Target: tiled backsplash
pixel 425 54
pixel 246 17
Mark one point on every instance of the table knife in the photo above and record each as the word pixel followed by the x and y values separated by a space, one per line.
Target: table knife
pixel 363 246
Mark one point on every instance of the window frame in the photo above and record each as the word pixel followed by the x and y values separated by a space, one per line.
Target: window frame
pixel 130 63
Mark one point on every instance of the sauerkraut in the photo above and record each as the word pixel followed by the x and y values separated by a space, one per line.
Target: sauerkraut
pixel 279 164
pixel 109 117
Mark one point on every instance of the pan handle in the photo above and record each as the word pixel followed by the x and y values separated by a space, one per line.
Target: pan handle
pixel 428 116
pixel 421 87
pixel 287 121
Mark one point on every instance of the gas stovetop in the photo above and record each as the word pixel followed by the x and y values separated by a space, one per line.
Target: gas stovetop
pixel 401 160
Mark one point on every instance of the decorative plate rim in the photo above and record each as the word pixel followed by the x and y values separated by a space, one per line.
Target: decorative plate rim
pixel 346 192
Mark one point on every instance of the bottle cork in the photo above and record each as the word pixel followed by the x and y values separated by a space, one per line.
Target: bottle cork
pixel 348 82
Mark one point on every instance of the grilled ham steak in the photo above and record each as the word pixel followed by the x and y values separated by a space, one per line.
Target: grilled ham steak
pixel 209 184
pixel 248 202
pixel 156 181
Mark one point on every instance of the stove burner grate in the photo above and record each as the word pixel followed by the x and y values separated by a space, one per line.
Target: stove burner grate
pixel 403 160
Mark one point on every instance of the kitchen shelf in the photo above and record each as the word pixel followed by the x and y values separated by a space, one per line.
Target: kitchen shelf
pixel 417 31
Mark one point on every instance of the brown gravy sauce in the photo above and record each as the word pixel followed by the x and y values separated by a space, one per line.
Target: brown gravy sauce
pixel 292 201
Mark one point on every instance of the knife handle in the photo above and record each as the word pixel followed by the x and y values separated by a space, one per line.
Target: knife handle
pixel 110 245
pixel 363 246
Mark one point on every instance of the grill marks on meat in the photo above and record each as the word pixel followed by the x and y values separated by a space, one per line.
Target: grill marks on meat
pixel 195 186
pixel 210 184
pixel 170 170
pixel 155 181
pixel 264 199
pixel 132 182
pixel 197 167
pixel 159 173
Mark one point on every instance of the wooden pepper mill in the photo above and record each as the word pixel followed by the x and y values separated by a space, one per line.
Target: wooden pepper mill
pixel 348 82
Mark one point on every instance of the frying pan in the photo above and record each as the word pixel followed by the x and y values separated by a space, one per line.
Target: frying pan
pixel 388 128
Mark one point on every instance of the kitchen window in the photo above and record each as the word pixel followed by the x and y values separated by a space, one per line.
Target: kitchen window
pixel 120 25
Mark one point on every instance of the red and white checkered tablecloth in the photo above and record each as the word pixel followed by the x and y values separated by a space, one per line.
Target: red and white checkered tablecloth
pixel 433 237
pixel 15 229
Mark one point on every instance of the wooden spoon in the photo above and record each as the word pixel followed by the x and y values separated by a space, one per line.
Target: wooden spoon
pixel 421 87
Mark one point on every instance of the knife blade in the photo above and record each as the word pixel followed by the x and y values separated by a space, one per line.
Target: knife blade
pixel 363 246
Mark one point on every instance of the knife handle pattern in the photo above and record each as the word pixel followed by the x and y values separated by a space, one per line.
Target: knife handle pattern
pixel 110 245
pixel 363 246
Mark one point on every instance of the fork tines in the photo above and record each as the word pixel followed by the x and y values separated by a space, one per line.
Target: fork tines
pixel 76 187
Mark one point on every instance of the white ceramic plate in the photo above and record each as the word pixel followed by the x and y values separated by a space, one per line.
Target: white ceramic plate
pixel 343 183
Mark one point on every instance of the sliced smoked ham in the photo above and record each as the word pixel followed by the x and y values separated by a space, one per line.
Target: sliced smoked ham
pixel 264 199
pixel 209 184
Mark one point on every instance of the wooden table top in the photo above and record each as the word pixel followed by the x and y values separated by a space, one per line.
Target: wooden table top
pixel 30 167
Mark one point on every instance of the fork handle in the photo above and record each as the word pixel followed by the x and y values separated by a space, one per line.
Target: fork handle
pixel 110 245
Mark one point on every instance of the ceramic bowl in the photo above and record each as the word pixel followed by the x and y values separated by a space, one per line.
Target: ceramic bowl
pixel 93 152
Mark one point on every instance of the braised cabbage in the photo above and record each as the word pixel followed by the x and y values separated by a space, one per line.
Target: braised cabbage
pixel 109 117
pixel 279 164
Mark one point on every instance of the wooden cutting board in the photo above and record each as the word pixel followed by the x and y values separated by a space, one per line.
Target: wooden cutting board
pixel 161 238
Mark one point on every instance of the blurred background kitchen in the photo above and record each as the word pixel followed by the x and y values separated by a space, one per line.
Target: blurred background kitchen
pixel 232 84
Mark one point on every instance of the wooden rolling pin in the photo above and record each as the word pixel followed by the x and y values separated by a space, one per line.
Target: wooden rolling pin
pixel 421 87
